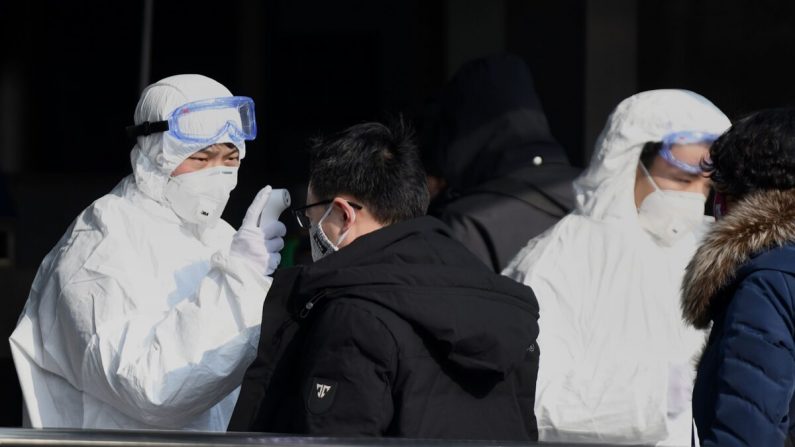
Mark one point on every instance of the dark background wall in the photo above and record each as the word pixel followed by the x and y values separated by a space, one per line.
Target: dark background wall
pixel 70 79
pixel 739 53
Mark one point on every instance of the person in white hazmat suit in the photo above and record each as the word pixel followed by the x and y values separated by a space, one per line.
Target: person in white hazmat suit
pixel 146 313
pixel 616 357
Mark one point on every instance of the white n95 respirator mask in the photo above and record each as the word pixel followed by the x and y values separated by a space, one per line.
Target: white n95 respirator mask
pixel 670 215
pixel 200 197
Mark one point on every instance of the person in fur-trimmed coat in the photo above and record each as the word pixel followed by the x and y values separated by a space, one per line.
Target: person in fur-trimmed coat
pixel 742 281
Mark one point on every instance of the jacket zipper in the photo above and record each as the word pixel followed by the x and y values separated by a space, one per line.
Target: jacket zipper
pixel 311 303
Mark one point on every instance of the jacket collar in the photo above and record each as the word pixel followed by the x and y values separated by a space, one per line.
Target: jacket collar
pixel 482 321
pixel 761 221
pixel 366 248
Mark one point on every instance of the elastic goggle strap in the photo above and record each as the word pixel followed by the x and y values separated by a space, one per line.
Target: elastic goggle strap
pixel 146 128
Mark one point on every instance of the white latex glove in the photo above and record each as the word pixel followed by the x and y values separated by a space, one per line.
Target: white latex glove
pixel 259 246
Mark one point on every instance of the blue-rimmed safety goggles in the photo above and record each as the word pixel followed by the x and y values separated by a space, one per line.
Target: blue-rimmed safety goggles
pixel 205 121
pixel 685 137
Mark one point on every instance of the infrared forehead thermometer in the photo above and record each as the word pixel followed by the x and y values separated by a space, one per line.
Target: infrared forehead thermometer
pixel 278 201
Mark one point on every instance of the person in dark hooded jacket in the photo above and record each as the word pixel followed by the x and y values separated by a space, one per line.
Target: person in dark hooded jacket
pixel 395 329
pixel 498 176
pixel 742 282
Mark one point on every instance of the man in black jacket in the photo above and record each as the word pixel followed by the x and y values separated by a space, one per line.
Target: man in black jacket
pixel 499 178
pixel 396 329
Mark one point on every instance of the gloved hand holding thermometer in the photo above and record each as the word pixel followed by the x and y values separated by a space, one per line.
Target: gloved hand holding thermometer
pixel 260 244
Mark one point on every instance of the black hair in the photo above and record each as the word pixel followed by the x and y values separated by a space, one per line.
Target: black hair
pixel 648 153
pixel 377 164
pixel 756 153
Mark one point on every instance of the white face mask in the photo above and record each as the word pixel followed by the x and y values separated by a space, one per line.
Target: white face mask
pixel 670 215
pixel 200 197
pixel 320 243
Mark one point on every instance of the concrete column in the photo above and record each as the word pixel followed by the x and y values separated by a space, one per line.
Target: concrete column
pixel 611 58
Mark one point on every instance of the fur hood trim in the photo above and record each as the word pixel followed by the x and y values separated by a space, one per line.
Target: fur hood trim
pixel 759 222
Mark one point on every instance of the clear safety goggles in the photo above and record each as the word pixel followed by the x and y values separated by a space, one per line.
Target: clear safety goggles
pixel 205 121
pixel 685 137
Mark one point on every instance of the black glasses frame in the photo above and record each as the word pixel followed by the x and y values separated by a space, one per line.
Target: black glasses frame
pixel 303 220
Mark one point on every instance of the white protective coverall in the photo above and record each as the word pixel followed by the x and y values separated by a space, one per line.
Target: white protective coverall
pixel 616 357
pixel 136 320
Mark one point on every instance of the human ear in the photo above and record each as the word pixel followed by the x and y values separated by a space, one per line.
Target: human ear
pixel 347 213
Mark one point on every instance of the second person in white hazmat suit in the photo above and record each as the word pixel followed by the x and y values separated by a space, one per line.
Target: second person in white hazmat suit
pixel 616 357
pixel 146 313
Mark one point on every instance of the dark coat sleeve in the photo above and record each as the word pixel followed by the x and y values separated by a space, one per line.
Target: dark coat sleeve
pixel 252 411
pixel 351 352
pixel 756 371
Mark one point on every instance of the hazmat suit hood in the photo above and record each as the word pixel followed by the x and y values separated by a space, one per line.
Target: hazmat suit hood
pixel 154 157
pixel 609 293
pixel 606 190
pixel 490 122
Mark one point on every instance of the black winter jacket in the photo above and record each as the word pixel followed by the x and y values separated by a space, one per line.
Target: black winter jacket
pixel 508 178
pixel 401 333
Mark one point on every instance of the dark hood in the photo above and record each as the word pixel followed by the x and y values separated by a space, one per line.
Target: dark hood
pixel 482 321
pixel 489 122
